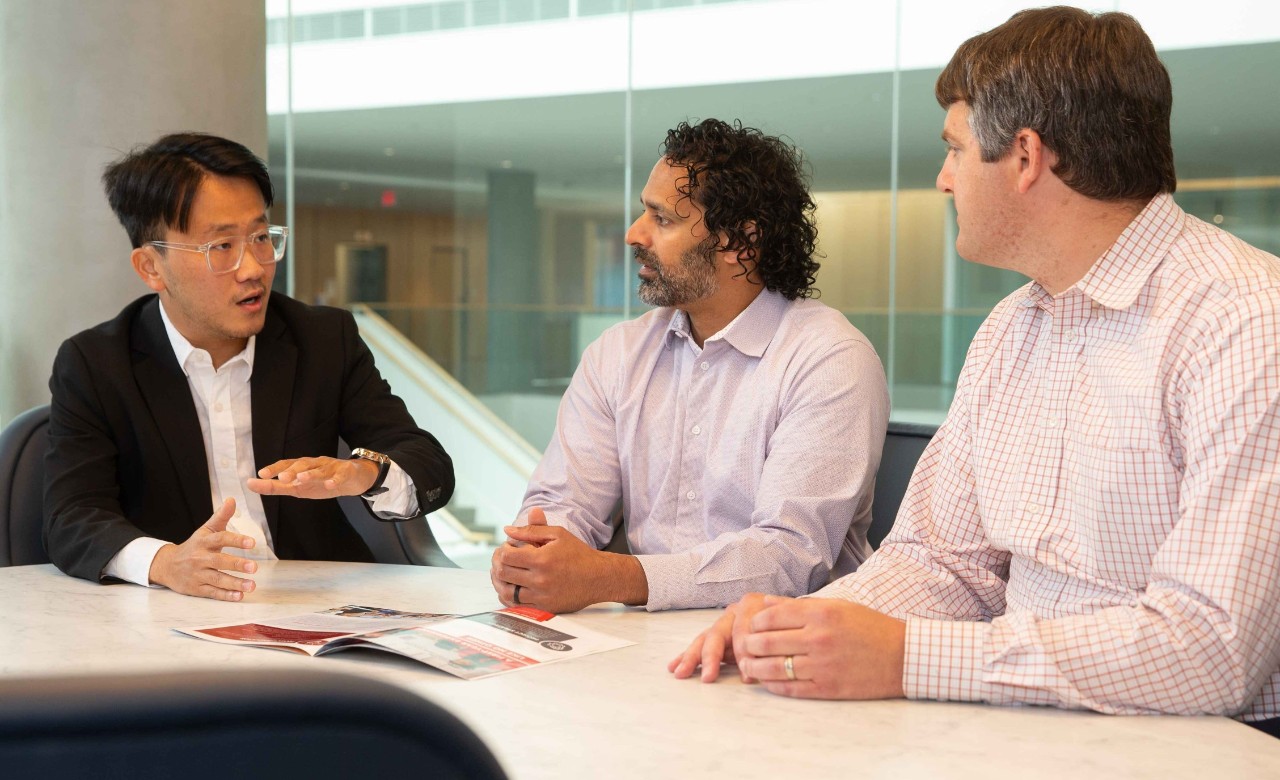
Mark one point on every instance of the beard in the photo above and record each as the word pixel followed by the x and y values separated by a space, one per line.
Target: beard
pixel 692 278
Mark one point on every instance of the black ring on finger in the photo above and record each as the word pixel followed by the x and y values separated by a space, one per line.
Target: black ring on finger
pixel 515 597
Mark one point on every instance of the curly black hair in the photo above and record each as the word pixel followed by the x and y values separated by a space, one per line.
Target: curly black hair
pixel 752 190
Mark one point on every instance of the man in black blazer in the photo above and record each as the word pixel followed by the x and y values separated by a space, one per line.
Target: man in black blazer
pixel 216 395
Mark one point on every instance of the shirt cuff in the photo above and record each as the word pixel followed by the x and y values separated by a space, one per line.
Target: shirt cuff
pixel 670 579
pixel 133 562
pixel 943 660
pixel 400 501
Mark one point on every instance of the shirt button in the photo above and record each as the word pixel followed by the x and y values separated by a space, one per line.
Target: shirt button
pixel 1033 509
pixel 705 365
pixel 697 429
pixel 217 407
pixel 689 495
pixel 1051 421
pixel 224 462
pixel 1071 335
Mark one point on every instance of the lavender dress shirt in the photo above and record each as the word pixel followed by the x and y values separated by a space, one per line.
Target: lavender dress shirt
pixel 746 465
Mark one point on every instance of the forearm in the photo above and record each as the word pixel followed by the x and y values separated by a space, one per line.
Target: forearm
pixel 911 579
pixel 81 540
pixel 623 580
pixel 1151 657
pixel 724 570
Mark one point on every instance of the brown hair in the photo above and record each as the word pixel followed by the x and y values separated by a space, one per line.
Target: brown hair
pixel 1091 86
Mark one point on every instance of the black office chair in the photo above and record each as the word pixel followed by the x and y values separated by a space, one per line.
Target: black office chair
pixel 22 446
pixel 409 542
pixel 244 724
pixel 903 445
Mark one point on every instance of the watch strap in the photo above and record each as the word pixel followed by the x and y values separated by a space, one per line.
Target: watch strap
pixel 384 467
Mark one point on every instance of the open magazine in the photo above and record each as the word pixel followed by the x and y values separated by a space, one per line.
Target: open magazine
pixel 469 646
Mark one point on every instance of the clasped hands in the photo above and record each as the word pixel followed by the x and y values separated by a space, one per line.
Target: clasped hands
pixel 839 649
pixel 558 572
pixel 198 567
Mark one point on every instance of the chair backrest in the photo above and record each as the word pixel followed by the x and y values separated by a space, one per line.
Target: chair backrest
pixel 903 445
pixel 22 447
pixel 240 723
pixel 408 542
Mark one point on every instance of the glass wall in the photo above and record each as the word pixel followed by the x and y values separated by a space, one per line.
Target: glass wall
pixel 471 166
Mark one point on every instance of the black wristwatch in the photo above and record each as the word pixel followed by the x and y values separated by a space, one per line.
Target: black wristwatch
pixel 384 466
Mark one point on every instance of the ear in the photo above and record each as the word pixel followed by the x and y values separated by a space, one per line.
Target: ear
pixel 1034 159
pixel 146 264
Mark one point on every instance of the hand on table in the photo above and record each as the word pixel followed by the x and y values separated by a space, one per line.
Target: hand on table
pixel 320 477
pixel 723 642
pixel 196 567
pixel 556 571
pixel 839 649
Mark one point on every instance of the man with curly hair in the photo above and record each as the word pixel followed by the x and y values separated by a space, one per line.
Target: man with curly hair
pixel 738 425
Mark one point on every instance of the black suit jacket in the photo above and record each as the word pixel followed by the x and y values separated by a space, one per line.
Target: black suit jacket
pixel 126 455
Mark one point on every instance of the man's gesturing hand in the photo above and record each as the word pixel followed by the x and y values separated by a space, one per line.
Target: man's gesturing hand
pixel 194 567
pixel 315 477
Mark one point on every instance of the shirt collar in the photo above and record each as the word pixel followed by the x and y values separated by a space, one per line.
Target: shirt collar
pixel 750 332
pixel 183 349
pixel 1119 275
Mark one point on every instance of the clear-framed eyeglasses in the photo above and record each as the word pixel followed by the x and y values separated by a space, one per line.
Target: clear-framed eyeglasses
pixel 224 255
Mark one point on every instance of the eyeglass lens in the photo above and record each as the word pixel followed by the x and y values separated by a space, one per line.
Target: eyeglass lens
pixel 267 247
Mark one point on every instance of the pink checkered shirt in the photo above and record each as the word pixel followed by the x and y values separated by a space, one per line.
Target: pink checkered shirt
pixel 1097 523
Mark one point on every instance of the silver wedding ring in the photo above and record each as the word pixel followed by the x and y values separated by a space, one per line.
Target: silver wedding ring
pixel 516 596
pixel 789 667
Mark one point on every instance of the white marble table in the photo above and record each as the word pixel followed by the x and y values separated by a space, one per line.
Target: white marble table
pixel 616 714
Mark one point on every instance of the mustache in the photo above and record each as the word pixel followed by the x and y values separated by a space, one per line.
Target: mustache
pixel 645 256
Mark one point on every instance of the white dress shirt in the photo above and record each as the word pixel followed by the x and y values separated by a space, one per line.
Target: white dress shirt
pixel 222 402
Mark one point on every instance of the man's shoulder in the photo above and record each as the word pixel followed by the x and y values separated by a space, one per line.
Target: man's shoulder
pixel 117 330
pixel 810 324
pixel 810 312
pixel 1205 256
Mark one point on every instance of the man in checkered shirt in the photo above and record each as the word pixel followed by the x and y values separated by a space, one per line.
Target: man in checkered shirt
pixel 1095 524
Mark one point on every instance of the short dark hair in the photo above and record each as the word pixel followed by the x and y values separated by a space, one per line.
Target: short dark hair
pixel 1091 85
pixel 153 187
pixel 751 188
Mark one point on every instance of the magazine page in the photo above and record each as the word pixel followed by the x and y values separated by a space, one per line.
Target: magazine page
pixel 309 633
pixel 476 646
